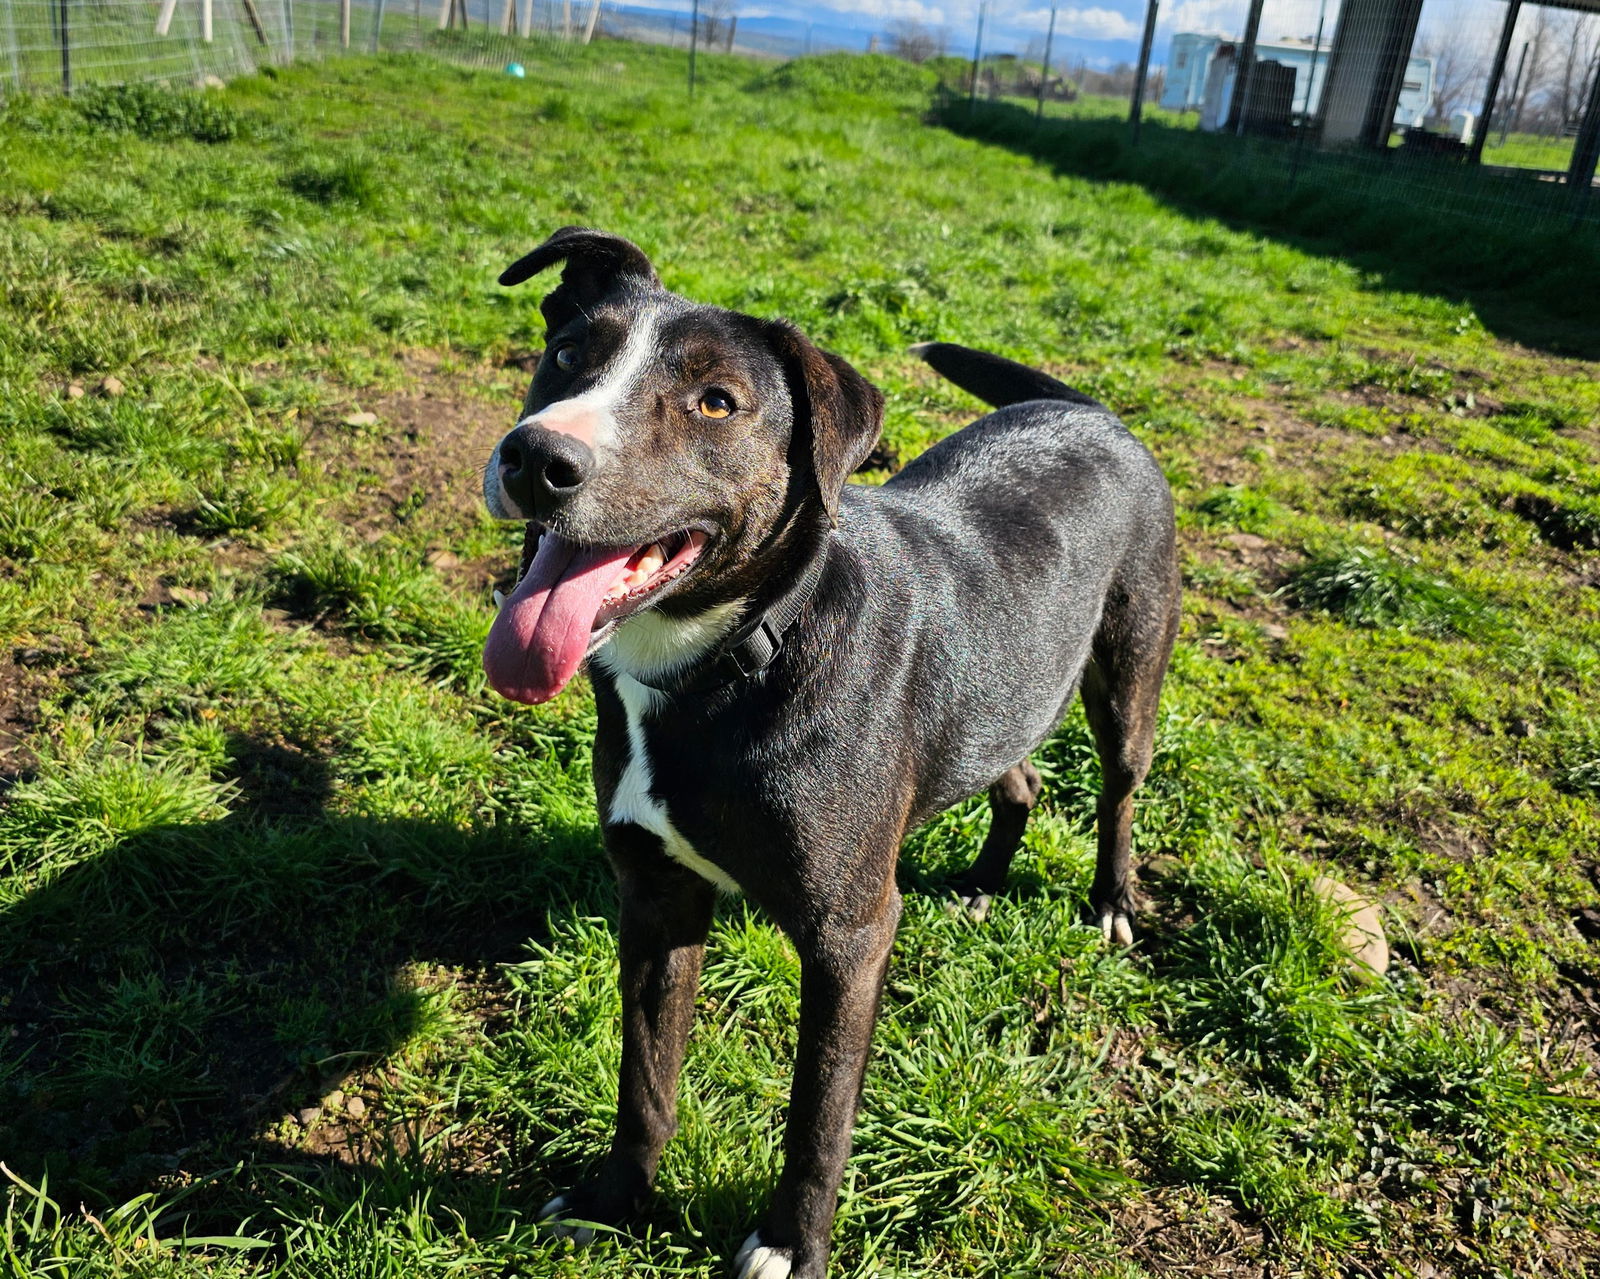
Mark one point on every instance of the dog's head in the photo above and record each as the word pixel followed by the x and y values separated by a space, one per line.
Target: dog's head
pixel 663 450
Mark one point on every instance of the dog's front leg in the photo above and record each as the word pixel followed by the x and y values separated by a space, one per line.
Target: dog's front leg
pixel 841 980
pixel 665 915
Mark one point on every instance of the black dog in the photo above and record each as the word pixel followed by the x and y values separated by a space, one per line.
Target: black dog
pixel 792 673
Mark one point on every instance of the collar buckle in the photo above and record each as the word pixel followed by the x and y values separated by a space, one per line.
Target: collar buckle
pixel 755 652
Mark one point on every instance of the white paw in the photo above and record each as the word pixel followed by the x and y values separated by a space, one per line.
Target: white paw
pixel 757 1261
pixel 553 1212
pixel 974 908
pixel 1116 927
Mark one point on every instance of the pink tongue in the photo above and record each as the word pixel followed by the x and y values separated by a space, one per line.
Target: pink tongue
pixel 542 631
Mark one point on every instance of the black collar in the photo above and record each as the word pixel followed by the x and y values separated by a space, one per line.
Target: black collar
pixel 753 646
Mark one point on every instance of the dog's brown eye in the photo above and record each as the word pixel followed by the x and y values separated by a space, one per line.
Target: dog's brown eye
pixel 715 403
pixel 567 357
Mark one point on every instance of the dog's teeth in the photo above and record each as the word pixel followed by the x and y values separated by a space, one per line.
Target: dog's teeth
pixel 499 599
pixel 650 563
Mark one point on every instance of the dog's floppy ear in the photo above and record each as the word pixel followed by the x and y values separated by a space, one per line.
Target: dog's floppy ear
pixel 593 258
pixel 839 409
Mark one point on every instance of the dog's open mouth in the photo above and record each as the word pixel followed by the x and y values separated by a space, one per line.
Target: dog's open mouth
pixel 568 602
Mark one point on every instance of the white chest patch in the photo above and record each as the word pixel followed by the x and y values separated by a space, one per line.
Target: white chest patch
pixel 633 802
pixel 653 646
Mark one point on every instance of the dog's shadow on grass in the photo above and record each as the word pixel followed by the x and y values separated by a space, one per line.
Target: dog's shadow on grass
pixel 233 992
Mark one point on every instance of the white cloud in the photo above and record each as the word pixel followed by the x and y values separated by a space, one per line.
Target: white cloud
pixel 895 11
pixel 1085 24
pixel 1280 18
pixel 1226 16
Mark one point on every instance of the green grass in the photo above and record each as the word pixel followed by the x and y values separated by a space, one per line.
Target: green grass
pixel 306 941
pixel 1529 151
pixel 1502 243
pixel 1367 587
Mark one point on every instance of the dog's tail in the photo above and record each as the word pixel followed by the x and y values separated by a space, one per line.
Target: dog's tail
pixel 994 379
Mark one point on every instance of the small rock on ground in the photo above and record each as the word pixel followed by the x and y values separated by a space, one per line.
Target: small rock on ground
pixel 1363 934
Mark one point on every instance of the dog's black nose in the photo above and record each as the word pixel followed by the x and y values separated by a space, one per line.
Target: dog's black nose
pixel 542 469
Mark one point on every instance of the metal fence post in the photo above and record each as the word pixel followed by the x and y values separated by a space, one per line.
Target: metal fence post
pixel 254 15
pixel 1497 70
pixel 1044 74
pixel 66 50
pixel 1246 71
pixel 377 26
pixel 977 53
pixel 1513 114
pixel 694 39
pixel 1305 111
pixel 1136 111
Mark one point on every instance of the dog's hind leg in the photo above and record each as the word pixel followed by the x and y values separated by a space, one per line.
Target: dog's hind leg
pixel 1121 688
pixel 1011 799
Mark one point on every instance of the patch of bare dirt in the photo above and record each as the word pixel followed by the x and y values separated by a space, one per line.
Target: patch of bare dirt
pixel 27 673
pixel 358 1118
pixel 1180 1231
pixel 418 453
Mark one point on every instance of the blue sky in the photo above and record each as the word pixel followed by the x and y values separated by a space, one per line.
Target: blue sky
pixel 1102 32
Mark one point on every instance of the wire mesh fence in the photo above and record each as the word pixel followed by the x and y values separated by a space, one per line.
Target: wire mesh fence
pixel 1477 109
pixel 1474 109
pixel 73 44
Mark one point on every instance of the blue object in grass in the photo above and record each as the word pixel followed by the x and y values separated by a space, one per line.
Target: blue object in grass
pixel 515 69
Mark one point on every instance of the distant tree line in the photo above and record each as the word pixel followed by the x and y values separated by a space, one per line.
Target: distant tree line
pixel 1004 74
pixel 1561 62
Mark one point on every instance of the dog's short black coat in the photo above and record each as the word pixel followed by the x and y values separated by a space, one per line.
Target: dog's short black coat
pixel 1026 559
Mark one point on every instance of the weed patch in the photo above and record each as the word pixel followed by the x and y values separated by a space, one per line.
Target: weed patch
pixel 387 596
pixel 158 112
pixel 1238 506
pixel 350 180
pixel 1368 587
pixel 1577 747
pixel 875 75
pixel 86 804
pixel 1567 522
